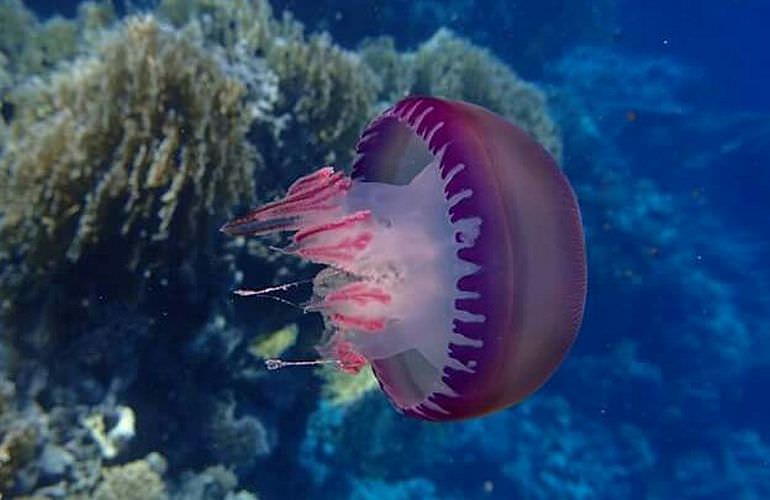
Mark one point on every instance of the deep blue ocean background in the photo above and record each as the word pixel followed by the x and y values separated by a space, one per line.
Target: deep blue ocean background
pixel 663 118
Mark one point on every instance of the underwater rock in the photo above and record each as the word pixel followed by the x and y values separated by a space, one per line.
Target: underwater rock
pixel 235 441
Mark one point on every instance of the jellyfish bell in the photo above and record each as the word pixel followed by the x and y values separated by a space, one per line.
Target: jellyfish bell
pixel 456 258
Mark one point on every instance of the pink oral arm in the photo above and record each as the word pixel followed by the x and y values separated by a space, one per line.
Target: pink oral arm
pixel 308 197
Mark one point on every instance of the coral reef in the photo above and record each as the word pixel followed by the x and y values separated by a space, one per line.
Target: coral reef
pixel 213 483
pixel 649 84
pixel 738 465
pixel 58 450
pixel 123 145
pixel 527 34
pixel 110 441
pixel 449 66
pixel 240 27
pixel 326 96
pixel 651 226
pixel 395 76
pixel 31 47
pixel 574 459
pixel 138 480
pixel 547 451
pixel 235 441
pixel 139 148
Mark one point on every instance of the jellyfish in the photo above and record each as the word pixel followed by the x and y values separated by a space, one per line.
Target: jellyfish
pixel 455 258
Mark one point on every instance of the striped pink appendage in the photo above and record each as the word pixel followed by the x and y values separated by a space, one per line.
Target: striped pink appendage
pixel 327 232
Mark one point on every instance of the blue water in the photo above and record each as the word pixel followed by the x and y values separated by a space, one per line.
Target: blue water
pixel 664 116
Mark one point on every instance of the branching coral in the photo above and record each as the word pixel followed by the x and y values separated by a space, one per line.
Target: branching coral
pixel 245 26
pixel 140 147
pixel 16 23
pixel 32 47
pixel 450 66
pixel 325 97
pixel 324 93
pixel 395 76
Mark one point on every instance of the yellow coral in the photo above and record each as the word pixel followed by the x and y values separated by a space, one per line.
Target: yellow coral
pixel 274 344
pixel 342 389
pixel 110 441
